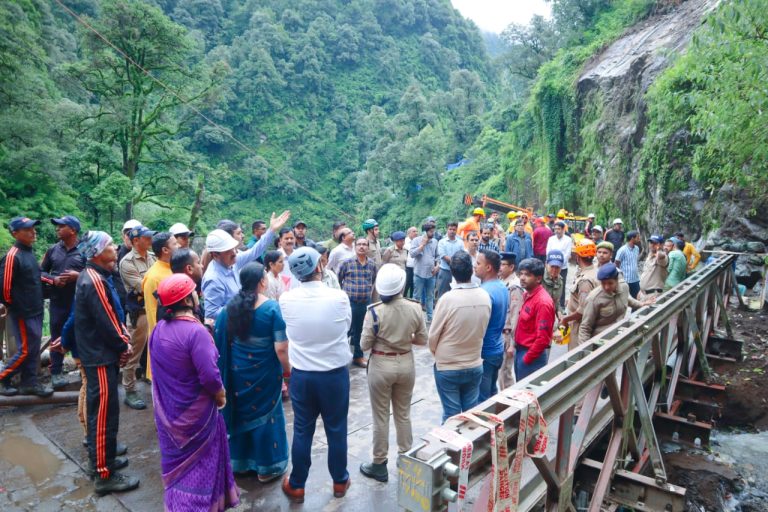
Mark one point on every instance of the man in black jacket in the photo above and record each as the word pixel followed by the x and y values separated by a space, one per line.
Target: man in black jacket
pixel 103 346
pixel 22 294
pixel 61 267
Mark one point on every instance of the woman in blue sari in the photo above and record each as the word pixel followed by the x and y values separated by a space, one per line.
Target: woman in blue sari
pixel 253 348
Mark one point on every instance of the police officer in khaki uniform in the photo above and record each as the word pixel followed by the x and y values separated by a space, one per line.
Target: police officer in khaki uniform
pixel 396 253
pixel 390 329
pixel 655 268
pixel 584 282
pixel 607 304
pixel 516 291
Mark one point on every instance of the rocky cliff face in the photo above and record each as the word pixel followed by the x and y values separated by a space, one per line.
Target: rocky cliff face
pixel 612 126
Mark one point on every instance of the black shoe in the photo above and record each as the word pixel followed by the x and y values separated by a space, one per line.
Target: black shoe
pixel 8 390
pixel 118 463
pixel 117 482
pixel 375 471
pixel 134 401
pixel 37 389
pixel 59 381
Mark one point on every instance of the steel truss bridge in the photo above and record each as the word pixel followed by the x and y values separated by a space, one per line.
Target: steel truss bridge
pixel 646 378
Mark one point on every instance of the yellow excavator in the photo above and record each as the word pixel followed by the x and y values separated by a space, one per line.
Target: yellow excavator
pixel 576 223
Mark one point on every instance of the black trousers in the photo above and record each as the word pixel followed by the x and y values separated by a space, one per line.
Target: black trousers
pixel 58 317
pixel 408 291
pixel 103 409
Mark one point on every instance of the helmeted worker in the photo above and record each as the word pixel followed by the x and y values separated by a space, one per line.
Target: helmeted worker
pixel 512 217
pixel 390 329
pixel 471 224
pixel 562 213
pixel 588 225
pixel 584 282
pixel 371 230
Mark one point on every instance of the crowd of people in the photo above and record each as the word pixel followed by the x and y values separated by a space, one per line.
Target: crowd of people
pixel 225 336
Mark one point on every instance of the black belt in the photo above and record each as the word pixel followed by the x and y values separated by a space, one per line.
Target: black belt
pixel 654 290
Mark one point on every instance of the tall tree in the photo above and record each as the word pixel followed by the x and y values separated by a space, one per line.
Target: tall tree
pixel 140 115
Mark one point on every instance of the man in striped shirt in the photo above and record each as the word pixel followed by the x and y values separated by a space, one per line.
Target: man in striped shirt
pixel 627 259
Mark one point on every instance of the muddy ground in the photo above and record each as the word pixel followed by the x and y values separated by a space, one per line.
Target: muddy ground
pixel 732 474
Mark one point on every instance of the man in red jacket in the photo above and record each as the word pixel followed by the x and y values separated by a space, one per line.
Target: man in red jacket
pixel 534 325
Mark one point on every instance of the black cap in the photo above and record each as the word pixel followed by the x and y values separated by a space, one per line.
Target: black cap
pixel 299 223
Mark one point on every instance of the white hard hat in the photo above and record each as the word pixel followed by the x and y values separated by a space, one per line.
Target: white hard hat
pixel 591 216
pixel 617 221
pixel 390 280
pixel 130 224
pixel 180 229
pixel 598 227
pixel 219 240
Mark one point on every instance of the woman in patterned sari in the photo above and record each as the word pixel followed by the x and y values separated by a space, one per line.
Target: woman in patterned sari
pixel 250 336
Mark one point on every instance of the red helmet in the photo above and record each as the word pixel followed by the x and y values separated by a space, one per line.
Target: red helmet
pixel 174 288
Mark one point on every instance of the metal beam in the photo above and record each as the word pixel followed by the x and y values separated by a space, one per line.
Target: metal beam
pixel 59 397
pixel 567 380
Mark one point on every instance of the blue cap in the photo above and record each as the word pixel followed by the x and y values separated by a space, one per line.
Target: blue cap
pixel 18 223
pixel 607 271
pixel 67 220
pixel 397 235
pixel 555 258
pixel 508 256
pixel 656 239
pixel 140 231
pixel 303 261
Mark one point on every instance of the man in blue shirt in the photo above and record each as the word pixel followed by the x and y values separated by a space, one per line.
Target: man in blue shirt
pixel 519 243
pixel 221 281
pixel 424 254
pixel 487 269
pixel 627 258
pixel 446 248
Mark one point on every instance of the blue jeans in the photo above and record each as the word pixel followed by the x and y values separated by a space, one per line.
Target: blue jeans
pixel 634 289
pixel 443 282
pixel 424 292
pixel 491 365
pixel 316 394
pixel 458 389
pixel 523 370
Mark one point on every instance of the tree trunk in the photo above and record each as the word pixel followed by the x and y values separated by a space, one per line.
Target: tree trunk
pixel 197 205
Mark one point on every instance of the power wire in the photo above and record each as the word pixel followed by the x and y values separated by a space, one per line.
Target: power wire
pixel 194 109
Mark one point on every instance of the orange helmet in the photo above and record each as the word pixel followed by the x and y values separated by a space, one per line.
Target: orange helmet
pixel 585 248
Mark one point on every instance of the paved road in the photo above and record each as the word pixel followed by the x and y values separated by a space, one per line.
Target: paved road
pixel 41 458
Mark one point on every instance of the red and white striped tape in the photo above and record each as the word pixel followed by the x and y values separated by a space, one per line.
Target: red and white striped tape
pixel 463 444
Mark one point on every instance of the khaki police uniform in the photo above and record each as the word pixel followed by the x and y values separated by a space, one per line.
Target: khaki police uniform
pixel 654 274
pixel 395 256
pixel 603 310
pixel 554 288
pixel 584 282
pixel 389 331
pixel 507 370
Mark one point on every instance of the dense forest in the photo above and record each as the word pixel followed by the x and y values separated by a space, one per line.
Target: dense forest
pixel 192 110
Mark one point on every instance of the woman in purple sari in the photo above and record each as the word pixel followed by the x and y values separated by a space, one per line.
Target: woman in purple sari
pixel 187 391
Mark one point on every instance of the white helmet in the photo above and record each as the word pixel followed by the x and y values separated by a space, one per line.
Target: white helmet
pixel 219 240
pixel 130 224
pixel 390 280
pixel 617 221
pixel 180 229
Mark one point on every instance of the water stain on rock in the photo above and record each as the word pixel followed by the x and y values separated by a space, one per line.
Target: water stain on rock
pixel 36 459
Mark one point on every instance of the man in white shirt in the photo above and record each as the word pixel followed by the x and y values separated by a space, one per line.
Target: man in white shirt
pixel 410 234
pixel 563 243
pixel 317 319
pixel 342 252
